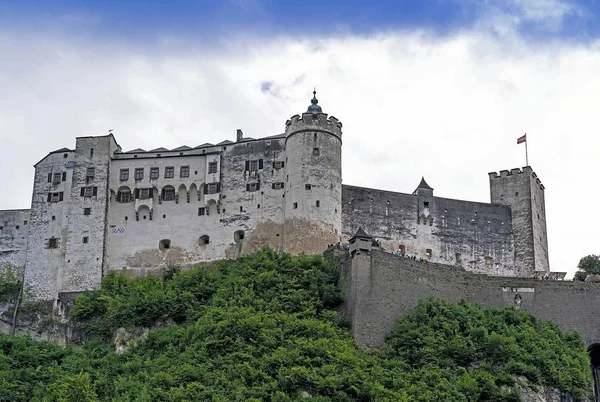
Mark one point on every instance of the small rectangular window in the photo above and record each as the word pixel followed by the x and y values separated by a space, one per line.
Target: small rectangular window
pixel 318 203
pixel 212 188
pixel 139 174
pixel 184 171
pixel 253 165
pixel 87 211
pixel 308 187
pixel 85 240
pixel 169 194
pixel 429 252
pixel 87 191
pixel 212 167
pixel 295 205
pixel 124 196
pixel 64 176
pixel 425 204
pixel 316 151
pixel 53 243
pixel 124 174
pixel 90 173
pixel 65 156
pixel 252 187
pixel 277 186
pixel 201 211
pixel 49 177
pixel 154 173
pixel 278 164
pixel 169 172
pixel 57 178
pixel 91 152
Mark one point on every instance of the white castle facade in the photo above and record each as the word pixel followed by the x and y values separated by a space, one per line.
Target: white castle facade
pixel 97 209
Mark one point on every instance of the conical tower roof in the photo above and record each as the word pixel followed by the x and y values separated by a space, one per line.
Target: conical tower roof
pixel 361 234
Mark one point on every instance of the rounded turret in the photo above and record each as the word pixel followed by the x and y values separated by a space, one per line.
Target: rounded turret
pixel 313 197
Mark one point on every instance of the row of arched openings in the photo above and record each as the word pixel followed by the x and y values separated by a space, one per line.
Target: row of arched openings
pixel 165 244
pixel 167 193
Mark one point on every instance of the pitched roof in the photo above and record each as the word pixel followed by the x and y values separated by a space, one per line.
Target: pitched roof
pixel 181 148
pixel 423 184
pixel 226 142
pixel 135 151
pixel 61 150
pixel 206 144
pixel 360 234
pixel 161 149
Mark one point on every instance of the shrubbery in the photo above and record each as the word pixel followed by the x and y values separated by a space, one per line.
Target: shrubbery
pixel 264 328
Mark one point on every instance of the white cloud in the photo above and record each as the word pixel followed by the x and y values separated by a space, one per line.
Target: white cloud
pixel 448 109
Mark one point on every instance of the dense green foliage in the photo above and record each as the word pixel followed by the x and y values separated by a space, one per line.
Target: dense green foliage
pixel 10 284
pixel 264 328
pixel 590 264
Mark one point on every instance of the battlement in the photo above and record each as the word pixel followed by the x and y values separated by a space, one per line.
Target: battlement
pixel 515 172
pixel 313 121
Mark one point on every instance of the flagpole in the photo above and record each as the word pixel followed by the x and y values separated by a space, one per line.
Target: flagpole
pixel 526 156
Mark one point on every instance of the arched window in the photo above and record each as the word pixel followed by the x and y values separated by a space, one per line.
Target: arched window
pixel 124 194
pixel 168 193
pixel 204 240
pixel 238 235
pixel 164 244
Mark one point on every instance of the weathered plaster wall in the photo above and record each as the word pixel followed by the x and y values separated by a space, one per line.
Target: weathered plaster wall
pixel 477 236
pixel 14 225
pixel 48 220
pixel 380 286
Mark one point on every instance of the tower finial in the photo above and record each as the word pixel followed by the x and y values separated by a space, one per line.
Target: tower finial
pixel 314 108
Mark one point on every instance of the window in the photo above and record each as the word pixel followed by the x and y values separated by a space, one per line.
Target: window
pixel 55 197
pixel 154 173
pixel 212 188
pixel 425 204
pixel 278 164
pixel 429 252
pixel 254 165
pixel 516 194
pixel 90 174
pixel 91 152
pixel 139 174
pixel 489 260
pixel 241 209
pixel 164 244
pixel 124 196
pixel 316 151
pixel 252 186
pixel 25 222
pixel 57 178
pixel 53 217
pixel 144 193
pixel 169 172
pixel 87 211
pixel 212 167
pixel 204 240
pixel 53 243
pixel 295 205
pixel 201 211
pixel 89 191
pixel 238 235
pixel 458 258
pixel 308 187
pixel 65 156
pixel 318 203
pixel 277 186
pixel 184 171
pixel 85 240
pixel 168 194
pixel 124 174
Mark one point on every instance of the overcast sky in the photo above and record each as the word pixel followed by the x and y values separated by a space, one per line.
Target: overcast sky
pixel 432 88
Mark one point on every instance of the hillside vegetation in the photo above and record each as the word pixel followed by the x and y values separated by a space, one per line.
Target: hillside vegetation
pixel 265 328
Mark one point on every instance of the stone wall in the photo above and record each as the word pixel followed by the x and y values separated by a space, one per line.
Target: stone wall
pixel 13 237
pixel 476 236
pixel 379 287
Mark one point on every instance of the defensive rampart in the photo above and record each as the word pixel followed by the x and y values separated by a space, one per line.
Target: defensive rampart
pixel 380 286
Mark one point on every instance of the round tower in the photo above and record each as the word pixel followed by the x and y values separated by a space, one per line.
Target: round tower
pixel 313 196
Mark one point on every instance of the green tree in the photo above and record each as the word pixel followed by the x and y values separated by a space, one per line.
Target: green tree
pixel 588 265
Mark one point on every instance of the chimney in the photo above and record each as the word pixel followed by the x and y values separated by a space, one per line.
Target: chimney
pixel 240 135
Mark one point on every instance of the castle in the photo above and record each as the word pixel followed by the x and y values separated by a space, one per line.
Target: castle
pixel 96 209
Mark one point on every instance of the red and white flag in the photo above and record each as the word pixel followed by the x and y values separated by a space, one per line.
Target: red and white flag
pixel 522 139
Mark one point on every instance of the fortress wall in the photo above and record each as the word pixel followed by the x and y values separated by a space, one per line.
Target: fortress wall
pixel 457 232
pixel 380 287
pixel 13 237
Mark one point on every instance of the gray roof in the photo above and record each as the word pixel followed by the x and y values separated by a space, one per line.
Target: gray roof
pixel 61 150
pixel 135 151
pixel 161 149
pixel 181 148
pixel 423 184
pixel 226 142
pixel 360 234
pixel 206 144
